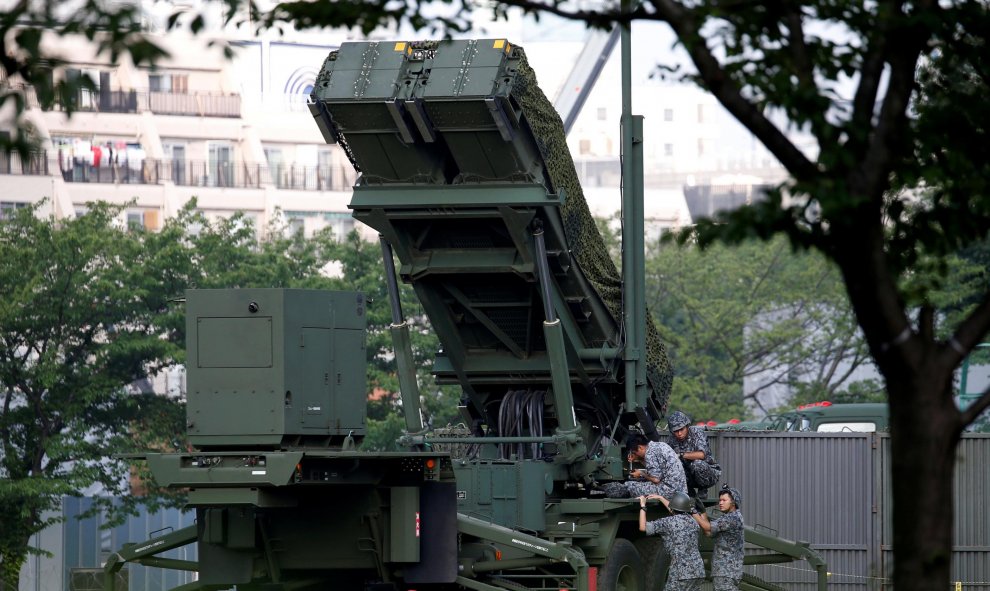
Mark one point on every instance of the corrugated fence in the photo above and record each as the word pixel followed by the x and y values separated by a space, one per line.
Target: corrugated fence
pixel 834 491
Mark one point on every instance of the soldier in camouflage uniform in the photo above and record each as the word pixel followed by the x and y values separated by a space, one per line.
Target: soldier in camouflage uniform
pixel 691 446
pixel 664 474
pixel 680 538
pixel 727 530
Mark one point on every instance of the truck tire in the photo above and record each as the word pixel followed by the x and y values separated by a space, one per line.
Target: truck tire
pixel 623 569
pixel 656 561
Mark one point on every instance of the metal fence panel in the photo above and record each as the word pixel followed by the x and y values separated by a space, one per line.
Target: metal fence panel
pixel 833 490
pixel 807 487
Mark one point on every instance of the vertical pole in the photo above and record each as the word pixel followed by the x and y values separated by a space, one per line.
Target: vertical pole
pixel 406 369
pixel 633 267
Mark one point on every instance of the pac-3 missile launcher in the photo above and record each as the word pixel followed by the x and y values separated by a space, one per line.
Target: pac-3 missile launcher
pixel 466 175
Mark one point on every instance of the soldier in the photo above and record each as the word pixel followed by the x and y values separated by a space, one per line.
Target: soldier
pixel 664 475
pixel 691 446
pixel 680 538
pixel 727 560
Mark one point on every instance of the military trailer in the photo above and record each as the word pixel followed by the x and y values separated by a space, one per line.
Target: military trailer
pixel 465 173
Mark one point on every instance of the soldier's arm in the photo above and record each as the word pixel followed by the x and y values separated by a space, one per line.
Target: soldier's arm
pixel 642 514
pixel 702 519
pixel 701 442
pixel 663 500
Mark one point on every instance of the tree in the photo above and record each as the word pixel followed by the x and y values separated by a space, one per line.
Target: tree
pixel 757 311
pixel 80 321
pixel 86 308
pixel 898 185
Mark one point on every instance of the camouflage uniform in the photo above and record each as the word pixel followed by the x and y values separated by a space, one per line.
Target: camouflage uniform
pixel 680 538
pixel 700 473
pixel 727 560
pixel 660 461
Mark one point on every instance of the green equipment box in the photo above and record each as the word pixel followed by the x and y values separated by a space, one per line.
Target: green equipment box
pixel 274 367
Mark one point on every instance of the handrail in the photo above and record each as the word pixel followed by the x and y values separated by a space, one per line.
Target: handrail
pixel 186 173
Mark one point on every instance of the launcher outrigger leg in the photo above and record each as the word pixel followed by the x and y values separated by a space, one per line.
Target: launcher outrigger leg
pixel 146 554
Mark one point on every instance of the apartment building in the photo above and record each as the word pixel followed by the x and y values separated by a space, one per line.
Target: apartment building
pixel 236 133
pixel 233 133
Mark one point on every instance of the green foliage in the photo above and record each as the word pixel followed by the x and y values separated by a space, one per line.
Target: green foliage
pixel 381 435
pixel 87 308
pixel 81 305
pixel 754 311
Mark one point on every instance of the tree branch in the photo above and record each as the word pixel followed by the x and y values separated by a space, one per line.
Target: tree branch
pixel 595 18
pixel 970 332
pixel 904 51
pixel 864 101
pixel 973 410
pixel 684 23
pixel 926 323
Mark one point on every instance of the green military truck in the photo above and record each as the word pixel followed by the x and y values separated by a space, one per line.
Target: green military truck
pixel 819 417
pixel 464 171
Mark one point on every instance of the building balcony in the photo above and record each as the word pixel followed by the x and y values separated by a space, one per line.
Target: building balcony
pixel 186 173
pixel 197 104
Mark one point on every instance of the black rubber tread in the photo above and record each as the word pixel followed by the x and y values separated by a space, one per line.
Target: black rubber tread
pixel 623 559
pixel 656 561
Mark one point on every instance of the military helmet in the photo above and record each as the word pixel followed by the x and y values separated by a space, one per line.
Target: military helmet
pixel 681 503
pixel 677 420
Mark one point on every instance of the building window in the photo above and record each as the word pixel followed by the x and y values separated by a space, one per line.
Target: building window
pixel 706 147
pixel 602 113
pixel 668 149
pixel 135 220
pixel 701 113
pixel 174 83
pixel 220 165
pixel 297 226
pixel 7 208
pixel 584 147
pixel 668 114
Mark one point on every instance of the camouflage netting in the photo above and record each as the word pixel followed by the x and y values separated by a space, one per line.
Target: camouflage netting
pixel 583 237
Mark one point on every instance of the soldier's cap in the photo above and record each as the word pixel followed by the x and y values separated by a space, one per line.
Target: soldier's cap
pixel 677 420
pixel 734 493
